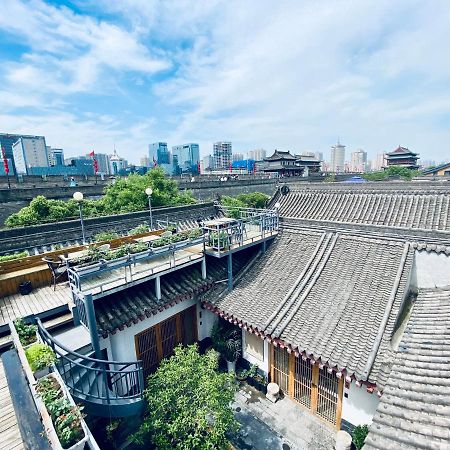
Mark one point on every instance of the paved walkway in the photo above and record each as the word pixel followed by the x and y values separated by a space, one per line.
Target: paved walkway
pixel 283 425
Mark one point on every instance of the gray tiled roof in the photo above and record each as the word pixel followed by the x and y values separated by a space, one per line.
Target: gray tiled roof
pixel 414 410
pixel 425 209
pixel 327 296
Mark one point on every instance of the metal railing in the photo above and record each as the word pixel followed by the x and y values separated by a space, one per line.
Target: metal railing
pixel 128 265
pixel 239 226
pixel 94 379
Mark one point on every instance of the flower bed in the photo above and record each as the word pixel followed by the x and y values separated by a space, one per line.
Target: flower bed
pixel 66 417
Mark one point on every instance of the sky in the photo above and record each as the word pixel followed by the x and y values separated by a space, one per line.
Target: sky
pixel 290 75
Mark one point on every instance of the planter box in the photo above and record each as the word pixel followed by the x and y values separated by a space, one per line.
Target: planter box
pixel 48 423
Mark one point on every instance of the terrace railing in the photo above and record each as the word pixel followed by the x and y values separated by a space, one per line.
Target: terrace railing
pixel 98 277
pixel 109 385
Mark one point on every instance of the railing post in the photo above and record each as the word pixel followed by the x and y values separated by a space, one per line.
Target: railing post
pixel 204 267
pixel 158 287
pixel 105 381
pixel 92 324
pixel 230 271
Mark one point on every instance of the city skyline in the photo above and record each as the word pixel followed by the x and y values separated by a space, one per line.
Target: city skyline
pixel 62 76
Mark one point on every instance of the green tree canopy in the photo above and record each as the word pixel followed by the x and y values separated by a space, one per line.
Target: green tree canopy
pixel 188 403
pixel 126 195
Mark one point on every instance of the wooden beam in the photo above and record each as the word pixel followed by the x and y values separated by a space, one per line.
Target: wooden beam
pixel 291 375
pixel 271 361
pixel 314 388
pixel 339 403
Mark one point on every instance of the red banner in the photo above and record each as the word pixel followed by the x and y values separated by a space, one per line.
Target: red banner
pixel 95 166
pixel 5 161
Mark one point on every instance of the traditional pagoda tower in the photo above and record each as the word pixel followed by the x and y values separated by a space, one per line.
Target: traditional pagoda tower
pixel 402 157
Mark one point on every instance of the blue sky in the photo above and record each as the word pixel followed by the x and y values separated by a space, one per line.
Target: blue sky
pixel 289 75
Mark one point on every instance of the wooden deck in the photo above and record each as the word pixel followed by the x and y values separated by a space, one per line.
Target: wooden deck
pixel 10 437
pixel 38 301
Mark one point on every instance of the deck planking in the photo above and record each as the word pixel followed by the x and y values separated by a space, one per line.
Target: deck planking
pixel 39 300
pixel 10 437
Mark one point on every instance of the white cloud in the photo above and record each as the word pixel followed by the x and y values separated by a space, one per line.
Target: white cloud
pixel 291 75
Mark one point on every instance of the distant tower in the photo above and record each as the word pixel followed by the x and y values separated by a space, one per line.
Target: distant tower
pixel 337 160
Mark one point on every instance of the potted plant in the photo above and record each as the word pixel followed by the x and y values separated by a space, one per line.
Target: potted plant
pixel 218 240
pixel 241 374
pixel 27 333
pixel 65 416
pixel 40 357
pixel 227 341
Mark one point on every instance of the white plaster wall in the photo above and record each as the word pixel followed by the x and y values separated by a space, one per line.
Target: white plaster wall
pixel 122 343
pixel 205 321
pixel 432 269
pixel 360 406
pixel 263 364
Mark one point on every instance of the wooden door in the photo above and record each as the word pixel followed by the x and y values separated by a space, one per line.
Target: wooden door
pixel 159 341
pixel 281 368
pixel 314 388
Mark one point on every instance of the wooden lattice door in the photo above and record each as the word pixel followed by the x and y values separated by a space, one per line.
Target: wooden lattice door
pixel 328 396
pixel 281 368
pixel 314 388
pixel 303 382
pixel 159 341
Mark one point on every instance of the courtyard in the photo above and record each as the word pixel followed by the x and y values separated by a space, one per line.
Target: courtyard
pixel 283 425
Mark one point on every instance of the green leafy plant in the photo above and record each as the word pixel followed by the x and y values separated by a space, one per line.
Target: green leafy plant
pixel 161 242
pixel 106 236
pixel 226 340
pixel 65 417
pixel 27 333
pixel 188 403
pixel 40 356
pixel 195 233
pixel 218 239
pixel 14 256
pixel 140 229
pixel 359 435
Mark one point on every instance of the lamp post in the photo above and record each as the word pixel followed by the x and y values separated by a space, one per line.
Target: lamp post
pixel 149 192
pixel 78 197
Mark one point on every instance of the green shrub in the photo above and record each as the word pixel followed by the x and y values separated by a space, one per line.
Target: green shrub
pixel 140 229
pixel 359 435
pixel 254 199
pixel 14 256
pixel 27 333
pixel 106 236
pixel 40 356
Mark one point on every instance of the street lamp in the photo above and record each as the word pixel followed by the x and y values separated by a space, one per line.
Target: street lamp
pixel 149 192
pixel 78 197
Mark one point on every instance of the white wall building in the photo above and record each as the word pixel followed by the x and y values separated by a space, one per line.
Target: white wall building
pixel 30 152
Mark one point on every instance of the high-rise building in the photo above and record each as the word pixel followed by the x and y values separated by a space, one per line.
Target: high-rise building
pixel 186 158
pixel 144 161
pixel 379 162
pixel 55 156
pixel 258 154
pixel 337 160
pixel 8 140
pixel 207 163
pixel 238 157
pixel 116 163
pixel 358 161
pixel 222 155
pixel 29 152
pixel 103 163
pixel 159 153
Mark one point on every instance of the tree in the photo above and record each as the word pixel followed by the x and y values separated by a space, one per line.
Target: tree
pixel 188 403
